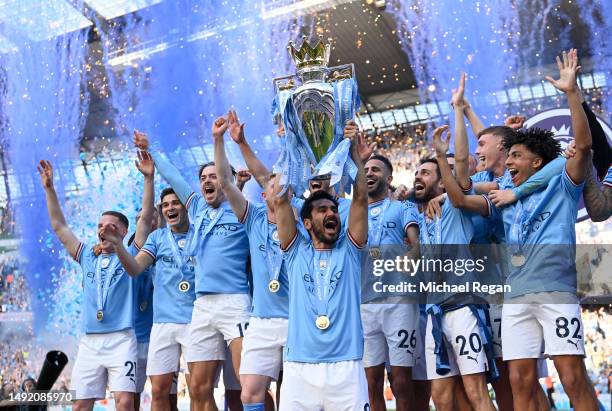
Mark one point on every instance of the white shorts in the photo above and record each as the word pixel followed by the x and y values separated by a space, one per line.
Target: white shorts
pixel 217 319
pixel 168 341
pixel 525 327
pixel 390 332
pixel 262 347
pixel 419 370
pixel 466 352
pixel 335 386
pixel 141 365
pixel 495 316
pixel 105 358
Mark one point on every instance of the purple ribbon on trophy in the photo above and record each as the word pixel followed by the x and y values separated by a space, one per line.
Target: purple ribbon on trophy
pixel 315 104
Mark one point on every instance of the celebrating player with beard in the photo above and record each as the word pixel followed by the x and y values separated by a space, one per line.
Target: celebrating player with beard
pixel 390 324
pixel 323 368
pixel 107 352
pixel 221 310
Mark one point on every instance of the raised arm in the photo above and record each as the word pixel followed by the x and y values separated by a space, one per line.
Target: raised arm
pixel 598 200
pixel 473 119
pixel 462 148
pixel 255 166
pixel 568 69
pixel 224 172
pixel 58 222
pixel 147 168
pixel 133 265
pixel 358 213
pixel 166 169
pixel 285 219
pixel 473 203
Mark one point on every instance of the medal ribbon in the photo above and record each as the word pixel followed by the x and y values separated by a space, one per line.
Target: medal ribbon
pixel 375 232
pixel 178 256
pixel 207 229
pixel 102 289
pixel 517 235
pixel 273 256
pixel 322 279
pixel 437 232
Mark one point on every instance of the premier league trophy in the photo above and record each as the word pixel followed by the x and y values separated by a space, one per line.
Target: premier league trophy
pixel 314 105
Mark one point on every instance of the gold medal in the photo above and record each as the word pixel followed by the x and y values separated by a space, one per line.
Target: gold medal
pixel 143 306
pixel 375 253
pixel 518 260
pixel 274 286
pixel 322 322
pixel 184 286
pixel 99 315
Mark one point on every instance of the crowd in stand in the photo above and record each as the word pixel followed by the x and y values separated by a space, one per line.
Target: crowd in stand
pixel 14 295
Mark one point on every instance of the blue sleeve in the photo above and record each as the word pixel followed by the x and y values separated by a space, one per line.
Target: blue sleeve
pixel 251 216
pixel 494 212
pixel 569 186
pixel 150 246
pixel 541 178
pixel 409 215
pixel 172 176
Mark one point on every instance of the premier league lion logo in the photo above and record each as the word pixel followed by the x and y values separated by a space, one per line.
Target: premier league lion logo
pixel 559 121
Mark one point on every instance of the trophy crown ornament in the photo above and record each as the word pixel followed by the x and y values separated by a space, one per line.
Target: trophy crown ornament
pixel 309 55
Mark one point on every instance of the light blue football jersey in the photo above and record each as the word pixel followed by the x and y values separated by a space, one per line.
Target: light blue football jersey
pixel 119 305
pixel 170 305
pixel 453 227
pixel 388 221
pixel 266 264
pixel 541 227
pixel 221 255
pixel 306 267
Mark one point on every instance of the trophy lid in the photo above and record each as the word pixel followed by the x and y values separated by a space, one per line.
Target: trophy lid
pixel 315 55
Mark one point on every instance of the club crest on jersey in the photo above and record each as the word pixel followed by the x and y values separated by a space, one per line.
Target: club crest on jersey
pixel 181 243
pixel 375 212
pixel 105 262
pixel 275 235
pixel 213 213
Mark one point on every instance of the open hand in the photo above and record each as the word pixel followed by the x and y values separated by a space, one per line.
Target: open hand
pixel 440 144
pixel 364 149
pixel 236 129
pixel 568 70
pixel 458 93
